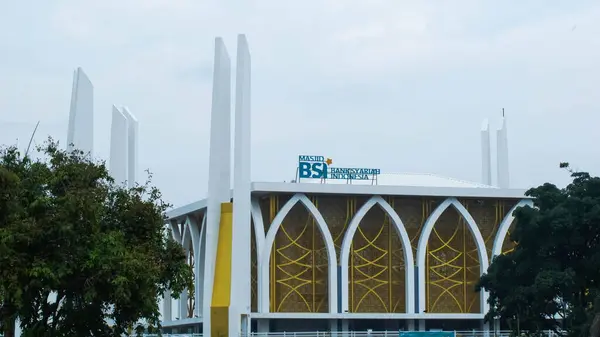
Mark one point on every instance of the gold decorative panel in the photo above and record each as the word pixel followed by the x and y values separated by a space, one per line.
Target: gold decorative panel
pixel 377 269
pixel 338 211
pixel 298 263
pixel 270 206
pixel 414 211
pixel 253 270
pixel 452 267
pixel 488 215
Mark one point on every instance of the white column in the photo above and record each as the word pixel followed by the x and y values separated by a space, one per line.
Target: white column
pixel 345 328
pixel 486 157
pixel 502 155
pixel 18 328
pixel 80 133
pixel 167 305
pixel 183 304
pixel 486 328
pixel 219 167
pixel 262 326
pixel 241 258
pixel 333 327
pixel 118 146
pixel 422 326
pixel 410 325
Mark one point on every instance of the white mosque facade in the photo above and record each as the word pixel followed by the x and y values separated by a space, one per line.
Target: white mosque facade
pixel 369 251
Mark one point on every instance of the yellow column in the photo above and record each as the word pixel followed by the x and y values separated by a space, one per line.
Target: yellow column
pixel 221 297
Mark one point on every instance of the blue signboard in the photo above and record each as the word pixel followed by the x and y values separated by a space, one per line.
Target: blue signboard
pixel 319 167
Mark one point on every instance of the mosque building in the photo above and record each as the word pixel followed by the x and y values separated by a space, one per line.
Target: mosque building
pixel 338 248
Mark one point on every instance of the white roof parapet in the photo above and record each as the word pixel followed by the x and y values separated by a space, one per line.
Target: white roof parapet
pixel 441 191
pixel 475 191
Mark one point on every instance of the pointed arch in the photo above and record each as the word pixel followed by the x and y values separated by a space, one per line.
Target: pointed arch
pixel 174 233
pixel 259 227
pixel 424 239
pixel 406 248
pixel 200 263
pixel 186 241
pixel 265 255
pixel 191 237
pixel 174 229
pixel 259 240
pixel 191 233
pixel 505 226
pixel 186 237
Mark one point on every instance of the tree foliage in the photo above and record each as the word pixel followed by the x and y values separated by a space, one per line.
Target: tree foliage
pixel 80 255
pixel 551 279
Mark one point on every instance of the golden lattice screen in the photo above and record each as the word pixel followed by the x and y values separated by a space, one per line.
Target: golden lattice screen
pixel 299 266
pixel 376 266
pixel 452 266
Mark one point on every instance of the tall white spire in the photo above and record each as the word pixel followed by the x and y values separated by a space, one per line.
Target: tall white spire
pixel 241 272
pixel 118 149
pixel 486 157
pixel 219 169
pixel 132 147
pixel 502 155
pixel 80 133
pixel 123 146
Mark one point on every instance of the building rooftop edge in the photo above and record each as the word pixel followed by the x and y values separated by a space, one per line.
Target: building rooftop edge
pixel 258 188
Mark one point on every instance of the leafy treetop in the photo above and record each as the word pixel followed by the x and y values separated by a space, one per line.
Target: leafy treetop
pixel 79 254
pixel 551 279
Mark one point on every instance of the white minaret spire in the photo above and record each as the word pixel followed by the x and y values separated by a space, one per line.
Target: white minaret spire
pixel 486 157
pixel 123 146
pixel 226 240
pixel 80 133
pixel 132 147
pixel 241 259
pixel 118 149
pixel 219 169
pixel 502 155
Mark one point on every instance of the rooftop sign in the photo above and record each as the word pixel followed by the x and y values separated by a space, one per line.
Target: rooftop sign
pixel 320 167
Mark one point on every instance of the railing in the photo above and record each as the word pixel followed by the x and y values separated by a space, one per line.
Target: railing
pixel 333 334
pixel 470 333
pixel 175 335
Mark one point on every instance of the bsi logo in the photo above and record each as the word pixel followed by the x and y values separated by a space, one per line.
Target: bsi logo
pixel 314 167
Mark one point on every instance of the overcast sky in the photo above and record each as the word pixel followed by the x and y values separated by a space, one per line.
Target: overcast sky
pixel 399 85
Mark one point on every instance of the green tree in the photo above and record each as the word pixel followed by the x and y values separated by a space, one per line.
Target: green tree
pixel 80 255
pixel 550 280
pixel 10 262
